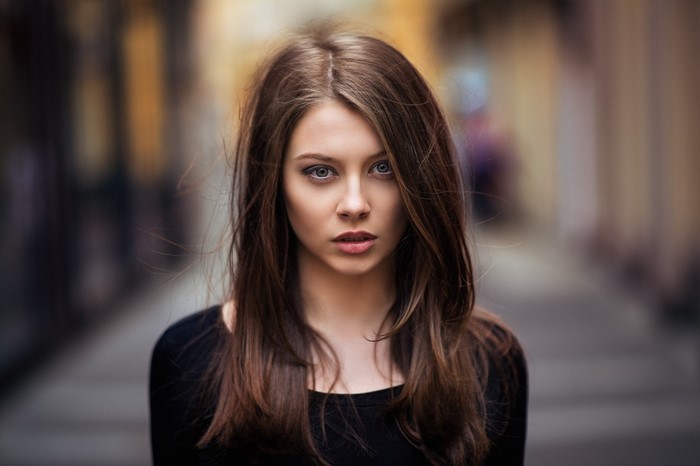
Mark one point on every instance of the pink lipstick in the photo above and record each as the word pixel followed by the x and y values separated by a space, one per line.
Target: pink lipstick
pixel 354 242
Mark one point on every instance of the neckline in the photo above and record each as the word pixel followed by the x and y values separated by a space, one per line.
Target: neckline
pixel 372 398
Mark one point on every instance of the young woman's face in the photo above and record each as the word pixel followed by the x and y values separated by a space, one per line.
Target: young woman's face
pixel 342 200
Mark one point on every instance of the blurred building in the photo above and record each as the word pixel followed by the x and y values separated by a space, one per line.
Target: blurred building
pixel 91 146
pixel 596 102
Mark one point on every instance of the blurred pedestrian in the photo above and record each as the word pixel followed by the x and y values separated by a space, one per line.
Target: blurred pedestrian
pixel 489 166
pixel 350 335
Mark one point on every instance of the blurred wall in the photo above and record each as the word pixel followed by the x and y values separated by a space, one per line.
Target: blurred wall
pixel 92 148
pixel 597 104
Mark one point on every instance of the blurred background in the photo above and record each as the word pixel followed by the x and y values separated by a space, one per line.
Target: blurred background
pixel 577 127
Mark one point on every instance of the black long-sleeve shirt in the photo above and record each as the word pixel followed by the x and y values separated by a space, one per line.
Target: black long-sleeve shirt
pixel 182 355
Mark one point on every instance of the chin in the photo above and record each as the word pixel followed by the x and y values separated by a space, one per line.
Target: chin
pixel 356 267
pixel 353 271
pixel 347 265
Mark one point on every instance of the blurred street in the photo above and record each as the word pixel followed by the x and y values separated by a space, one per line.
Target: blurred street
pixel 608 386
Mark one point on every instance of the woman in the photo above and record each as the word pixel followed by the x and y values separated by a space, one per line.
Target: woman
pixel 350 336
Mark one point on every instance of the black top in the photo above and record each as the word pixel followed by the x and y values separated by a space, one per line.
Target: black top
pixel 182 354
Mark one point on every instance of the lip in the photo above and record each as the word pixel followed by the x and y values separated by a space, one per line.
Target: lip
pixel 354 242
pixel 354 236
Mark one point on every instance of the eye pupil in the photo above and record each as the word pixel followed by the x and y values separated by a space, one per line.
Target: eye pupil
pixel 383 167
pixel 322 172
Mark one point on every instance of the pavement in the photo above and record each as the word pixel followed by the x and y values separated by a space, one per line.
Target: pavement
pixel 89 405
pixel 609 386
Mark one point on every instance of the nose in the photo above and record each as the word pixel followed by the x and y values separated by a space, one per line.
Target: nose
pixel 354 204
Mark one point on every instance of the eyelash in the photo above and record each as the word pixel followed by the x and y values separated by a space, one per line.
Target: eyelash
pixel 311 172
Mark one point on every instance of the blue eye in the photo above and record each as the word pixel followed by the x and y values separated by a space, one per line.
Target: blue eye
pixel 319 172
pixel 383 168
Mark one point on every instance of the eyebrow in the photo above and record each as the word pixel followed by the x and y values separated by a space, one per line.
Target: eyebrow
pixel 327 158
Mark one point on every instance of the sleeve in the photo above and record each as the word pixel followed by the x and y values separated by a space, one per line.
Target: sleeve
pixel 173 436
pixel 507 404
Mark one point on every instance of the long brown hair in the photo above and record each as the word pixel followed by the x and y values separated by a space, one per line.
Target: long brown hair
pixel 259 377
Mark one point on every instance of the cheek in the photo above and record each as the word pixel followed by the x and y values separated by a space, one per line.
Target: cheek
pixel 295 209
pixel 304 210
pixel 299 217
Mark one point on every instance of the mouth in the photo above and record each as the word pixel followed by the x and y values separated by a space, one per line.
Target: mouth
pixel 354 237
pixel 359 239
pixel 354 242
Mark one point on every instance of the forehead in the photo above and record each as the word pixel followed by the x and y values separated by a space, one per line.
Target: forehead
pixel 333 129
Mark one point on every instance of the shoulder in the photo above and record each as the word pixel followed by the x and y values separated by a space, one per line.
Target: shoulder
pixel 496 344
pixel 188 329
pixel 179 363
pixel 181 360
pixel 502 366
pixel 186 344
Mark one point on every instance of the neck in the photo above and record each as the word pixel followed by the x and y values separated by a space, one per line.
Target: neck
pixel 349 312
pixel 346 305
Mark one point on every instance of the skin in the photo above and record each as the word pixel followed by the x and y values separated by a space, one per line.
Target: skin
pixel 336 179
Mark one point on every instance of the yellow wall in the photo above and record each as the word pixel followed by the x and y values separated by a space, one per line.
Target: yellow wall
pixel 522 52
